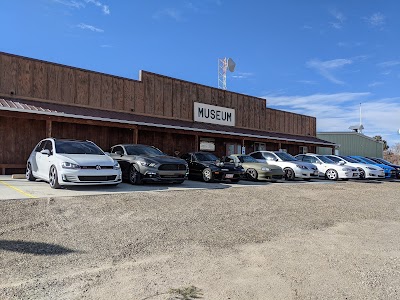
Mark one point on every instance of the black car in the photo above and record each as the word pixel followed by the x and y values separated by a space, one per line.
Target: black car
pixel 142 163
pixel 388 163
pixel 206 166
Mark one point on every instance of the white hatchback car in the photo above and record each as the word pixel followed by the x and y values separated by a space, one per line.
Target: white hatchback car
pixel 290 165
pixel 328 168
pixel 71 162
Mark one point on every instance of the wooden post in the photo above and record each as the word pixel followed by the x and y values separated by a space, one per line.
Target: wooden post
pixel 135 135
pixel 196 142
pixel 49 126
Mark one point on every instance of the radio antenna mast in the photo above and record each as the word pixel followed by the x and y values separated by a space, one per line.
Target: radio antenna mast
pixel 224 64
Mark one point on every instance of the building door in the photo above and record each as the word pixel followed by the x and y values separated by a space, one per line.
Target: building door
pixel 233 148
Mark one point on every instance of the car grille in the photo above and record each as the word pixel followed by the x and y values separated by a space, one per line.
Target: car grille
pixel 97 178
pixel 94 167
pixel 172 167
pixel 172 176
pixel 277 176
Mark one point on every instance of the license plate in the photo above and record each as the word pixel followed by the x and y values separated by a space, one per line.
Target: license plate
pixel 228 175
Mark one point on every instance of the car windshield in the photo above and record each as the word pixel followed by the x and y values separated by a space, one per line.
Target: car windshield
pixel 369 161
pixel 285 156
pixel 335 159
pixel 359 160
pixel 206 157
pixel 77 147
pixel 384 161
pixel 247 159
pixel 143 150
pixel 349 159
pixel 325 159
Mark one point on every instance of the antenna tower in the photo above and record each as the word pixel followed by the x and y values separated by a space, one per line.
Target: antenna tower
pixel 224 64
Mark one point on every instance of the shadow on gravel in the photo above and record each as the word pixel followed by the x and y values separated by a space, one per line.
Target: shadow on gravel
pixel 34 248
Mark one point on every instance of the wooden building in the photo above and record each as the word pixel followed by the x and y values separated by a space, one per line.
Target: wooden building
pixel 40 99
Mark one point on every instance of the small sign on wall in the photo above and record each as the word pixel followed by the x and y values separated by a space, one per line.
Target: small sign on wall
pixel 243 150
pixel 213 114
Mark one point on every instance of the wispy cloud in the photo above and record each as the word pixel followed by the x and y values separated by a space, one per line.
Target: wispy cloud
pixel 336 112
pixel 339 19
pixel 106 46
pixel 242 75
pixel 375 83
pixel 326 68
pixel 376 20
pixel 90 27
pixel 172 13
pixel 307 81
pixel 82 4
pixel 349 44
pixel 389 64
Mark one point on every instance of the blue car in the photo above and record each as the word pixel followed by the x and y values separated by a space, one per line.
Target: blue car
pixel 389 171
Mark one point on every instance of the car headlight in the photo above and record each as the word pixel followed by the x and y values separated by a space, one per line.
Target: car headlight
pixel 346 169
pixel 265 169
pixel 148 164
pixel 69 165
pixel 116 166
pixel 301 167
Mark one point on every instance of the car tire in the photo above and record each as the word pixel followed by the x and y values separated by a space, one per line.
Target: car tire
pixel 289 173
pixel 208 175
pixel 134 175
pixel 362 174
pixel 252 174
pixel 28 174
pixel 53 178
pixel 331 174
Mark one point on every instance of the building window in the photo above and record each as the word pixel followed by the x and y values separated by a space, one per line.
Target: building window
pixel 303 149
pixel 260 147
pixel 207 144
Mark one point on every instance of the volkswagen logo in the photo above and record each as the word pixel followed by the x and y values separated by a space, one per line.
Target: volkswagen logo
pixel 98 167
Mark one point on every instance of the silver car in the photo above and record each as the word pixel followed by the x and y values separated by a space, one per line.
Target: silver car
pixel 71 162
pixel 142 163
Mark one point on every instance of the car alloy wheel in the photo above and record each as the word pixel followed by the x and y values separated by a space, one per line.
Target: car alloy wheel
pixel 362 174
pixel 53 178
pixel 331 174
pixel 134 175
pixel 289 174
pixel 208 175
pixel 28 173
pixel 252 174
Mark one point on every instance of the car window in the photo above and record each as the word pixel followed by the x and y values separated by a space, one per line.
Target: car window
pixel 285 156
pixel 143 150
pixel 334 158
pixel 369 161
pixel 349 159
pixel 325 159
pixel 77 147
pixel 117 148
pixel 299 157
pixel 257 155
pixel 247 159
pixel 267 155
pixel 310 159
pixel 186 157
pixel 48 146
pixel 39 147
pixel 228 159
pixel 205 157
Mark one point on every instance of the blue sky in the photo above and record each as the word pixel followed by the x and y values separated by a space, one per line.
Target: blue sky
pixel 315 57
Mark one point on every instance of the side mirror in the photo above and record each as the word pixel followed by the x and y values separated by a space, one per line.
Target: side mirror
pixel 119 153
pixel 342 162
pixel 45 152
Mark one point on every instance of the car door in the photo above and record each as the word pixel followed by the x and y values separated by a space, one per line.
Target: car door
pixel 196 166
pixel 35 158
pixel 122 160
pixel 45 161
pixel 313 160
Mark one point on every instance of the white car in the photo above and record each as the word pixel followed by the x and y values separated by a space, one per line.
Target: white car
pixel 71 162
pixel 328 168
pixel 290 165
pixel 366 170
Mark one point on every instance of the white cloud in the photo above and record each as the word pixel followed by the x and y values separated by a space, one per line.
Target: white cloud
pixel 388 64
pixel 90 27
pixel 339 19
pixel 336 112
pixel 169 12
pixel 376 20
pixel 242 75
pixel 81 4
pixel 307 81
pixel 375 83
pixel 325 68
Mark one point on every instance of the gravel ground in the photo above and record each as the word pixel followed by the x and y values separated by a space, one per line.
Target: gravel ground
pixel 278 241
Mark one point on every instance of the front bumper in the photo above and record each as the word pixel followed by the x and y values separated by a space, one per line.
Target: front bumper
pixel 305 173
pixel 270 175
pixel 348 174
pixel 89 177
pixel 164 176
pixel 228 175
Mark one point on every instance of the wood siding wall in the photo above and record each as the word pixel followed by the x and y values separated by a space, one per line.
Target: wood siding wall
pixel 154 95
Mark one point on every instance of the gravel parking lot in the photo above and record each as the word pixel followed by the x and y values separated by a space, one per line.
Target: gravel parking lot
pixel 270 241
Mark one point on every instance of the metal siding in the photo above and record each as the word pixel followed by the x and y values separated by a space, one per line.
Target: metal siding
pixel 353 144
